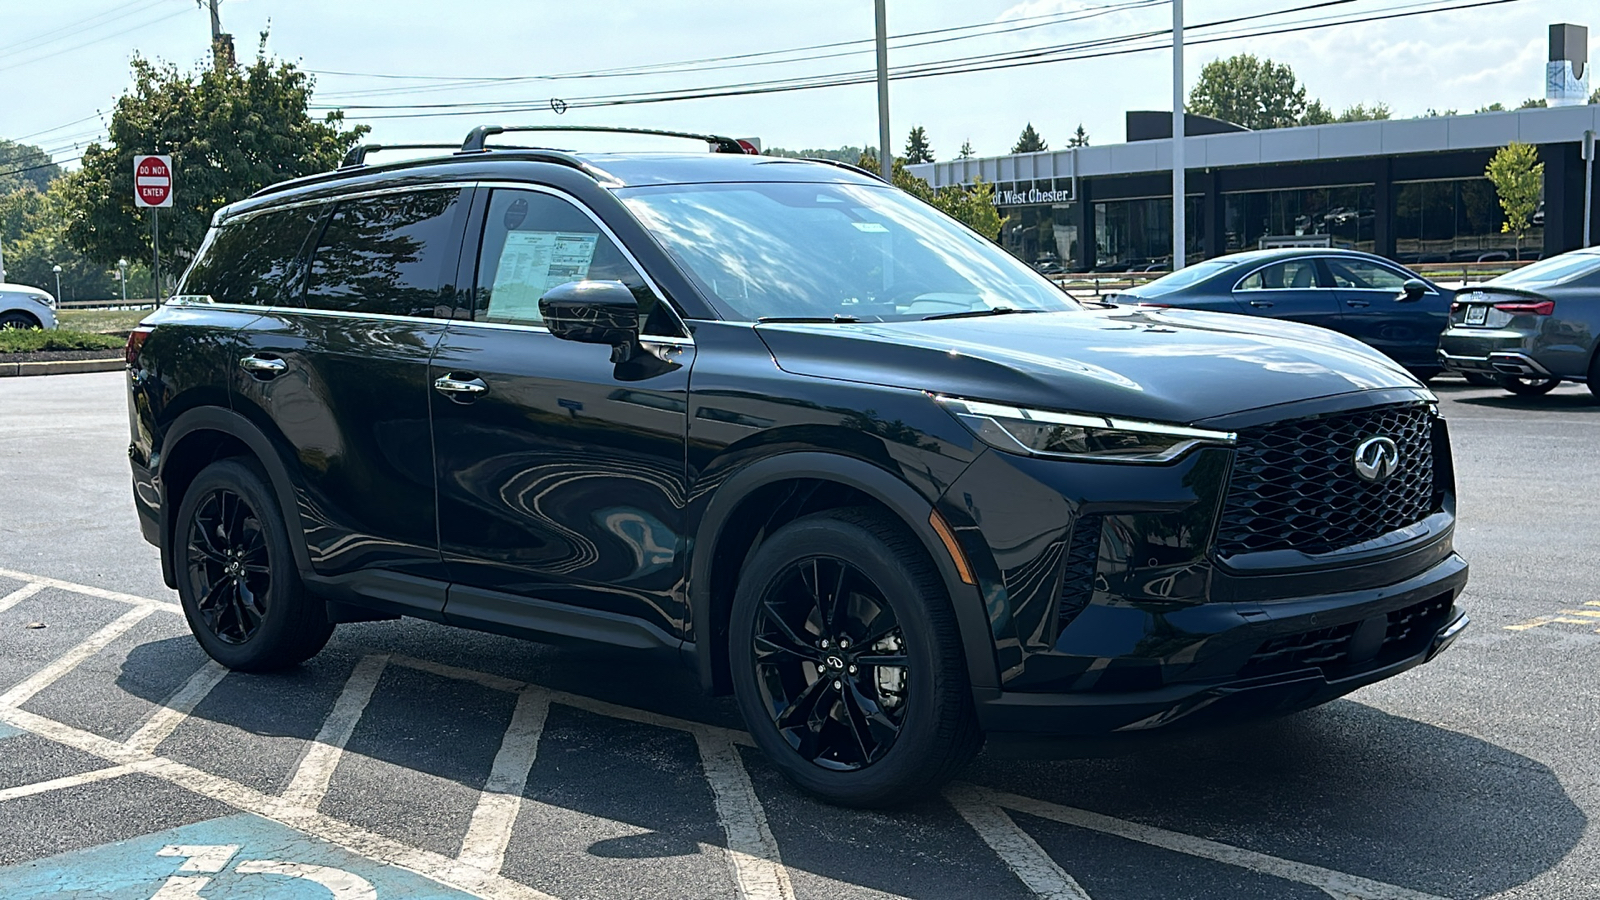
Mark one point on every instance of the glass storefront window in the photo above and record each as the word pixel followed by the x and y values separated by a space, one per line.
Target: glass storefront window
pixel 1045 237
pixel 1456 221
pixel 1136 235
pixel 1344 214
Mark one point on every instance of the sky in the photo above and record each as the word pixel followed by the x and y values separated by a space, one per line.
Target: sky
pixel 64 63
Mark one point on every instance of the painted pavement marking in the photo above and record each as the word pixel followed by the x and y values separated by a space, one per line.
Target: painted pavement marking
pixel 166 719
pixel 21 692
pixel 20 594
pixel 70 781
pixel 311 779
pixel 757 867
pixel 1016 848
pixel 489 832
pixel 92 591
pixel 1589 618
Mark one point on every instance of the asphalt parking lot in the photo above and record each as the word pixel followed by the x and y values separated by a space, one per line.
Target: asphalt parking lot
pixel 410 760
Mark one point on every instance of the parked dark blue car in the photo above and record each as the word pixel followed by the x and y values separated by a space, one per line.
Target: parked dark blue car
pixel 1367 297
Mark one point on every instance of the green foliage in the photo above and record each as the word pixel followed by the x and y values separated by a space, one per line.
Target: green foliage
pixel 846 154
pixel 1533 103
pixel 33 228
pixel 1029 141
pixel 1517 176
pixel 1317 114
pixel 966 151
pixel 972 206
pixel 230 131
pixel 1493 107
pixel 1245 90
pixel 100 321
pixel 1080 138
pixel 1364 113
pixel 917 148
pixel 35 340
pixel 1595 97
pixel 24 165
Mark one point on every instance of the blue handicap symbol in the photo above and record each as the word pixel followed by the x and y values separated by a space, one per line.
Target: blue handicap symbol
pixel 242 857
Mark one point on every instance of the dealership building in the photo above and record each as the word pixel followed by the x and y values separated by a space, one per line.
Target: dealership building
pixel 1410 189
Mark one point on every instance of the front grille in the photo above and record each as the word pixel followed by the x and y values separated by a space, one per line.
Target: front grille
pixel 1294 484
pixel 1328 649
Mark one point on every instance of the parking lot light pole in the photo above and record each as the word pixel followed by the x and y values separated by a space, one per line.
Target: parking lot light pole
pixel 1588 187
pixel 57 270
pixel 1179 194
pixel 885 152
pixel 122 276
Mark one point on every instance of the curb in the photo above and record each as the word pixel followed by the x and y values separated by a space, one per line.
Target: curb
pixel 60 367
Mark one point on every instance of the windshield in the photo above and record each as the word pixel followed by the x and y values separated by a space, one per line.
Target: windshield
pixel 867 253
pixel 1550 271
pixel 1182 278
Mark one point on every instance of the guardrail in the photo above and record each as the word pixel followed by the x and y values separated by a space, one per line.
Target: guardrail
pixel 130 303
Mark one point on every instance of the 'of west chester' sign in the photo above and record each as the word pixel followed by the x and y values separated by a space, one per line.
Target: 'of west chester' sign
pixel 152 181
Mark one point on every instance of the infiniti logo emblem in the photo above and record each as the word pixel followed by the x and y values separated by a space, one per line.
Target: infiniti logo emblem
pixel 1376 459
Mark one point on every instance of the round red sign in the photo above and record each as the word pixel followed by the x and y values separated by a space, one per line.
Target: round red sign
pixel 152 179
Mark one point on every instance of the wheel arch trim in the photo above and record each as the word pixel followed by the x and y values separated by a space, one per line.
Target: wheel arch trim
pixel 910 507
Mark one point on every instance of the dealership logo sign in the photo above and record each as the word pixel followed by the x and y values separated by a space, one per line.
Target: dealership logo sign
pixel 1032 195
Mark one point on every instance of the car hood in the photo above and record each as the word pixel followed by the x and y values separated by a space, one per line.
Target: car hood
pixel 1161 365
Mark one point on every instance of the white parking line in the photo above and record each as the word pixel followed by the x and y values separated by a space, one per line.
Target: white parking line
pixel 1339 884
pixel 489 833
pixel 164 721
pixel 1015 847
pixel 19 595
pixel 311 778
pixel 70 781
pixel 753 856
pixel 22 691
pixel 91 591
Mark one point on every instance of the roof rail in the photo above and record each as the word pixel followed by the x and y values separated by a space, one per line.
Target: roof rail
pixel 720 144
pixel 358 154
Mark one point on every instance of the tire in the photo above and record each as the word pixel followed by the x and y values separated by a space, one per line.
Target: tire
pixel 1524 386
pixel 237 579
pixel 16 319
pixel 885 734
pixel 1481 379
pixel 1594 375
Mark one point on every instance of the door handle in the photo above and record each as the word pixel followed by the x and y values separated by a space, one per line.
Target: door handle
pixel 263 367
pixel 466 387
pixel 1358 304
pixel 1261 304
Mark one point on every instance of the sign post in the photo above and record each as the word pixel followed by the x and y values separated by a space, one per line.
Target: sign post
pixel 152 190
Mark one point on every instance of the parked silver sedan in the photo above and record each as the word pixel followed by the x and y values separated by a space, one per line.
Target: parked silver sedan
pixel 22 306
pixel 1531 329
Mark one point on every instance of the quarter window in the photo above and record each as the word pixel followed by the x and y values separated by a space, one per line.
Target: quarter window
pixel 385 254
pixel 1359 274
pixel 1292 274
pixel 532 242
pixel 254 261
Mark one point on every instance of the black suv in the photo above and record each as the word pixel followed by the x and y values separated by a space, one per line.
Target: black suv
pixel 847 459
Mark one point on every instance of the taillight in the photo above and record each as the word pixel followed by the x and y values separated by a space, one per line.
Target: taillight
pixel 1527 307
pixel 130 351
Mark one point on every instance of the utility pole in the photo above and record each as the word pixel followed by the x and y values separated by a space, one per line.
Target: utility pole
pixel 221 42
pixel 1180 243
pixel 885 150
pixel 1588 188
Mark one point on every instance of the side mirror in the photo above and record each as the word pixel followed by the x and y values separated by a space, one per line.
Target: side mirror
pixel 1412 290
pixel 592 312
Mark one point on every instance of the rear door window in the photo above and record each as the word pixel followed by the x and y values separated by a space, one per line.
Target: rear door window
pixel 1291 274
pixel 532 242
pixel 388 254
pixel 254 261
pixel 1363 275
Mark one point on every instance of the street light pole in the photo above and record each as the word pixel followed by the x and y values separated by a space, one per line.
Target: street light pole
pixel 885 152
pixel 57 270
pixel 122 276
pixel 1179 194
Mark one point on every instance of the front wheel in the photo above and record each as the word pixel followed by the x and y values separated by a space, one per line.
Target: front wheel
pixel 847 663
pixel 237 579
pixel 1526 386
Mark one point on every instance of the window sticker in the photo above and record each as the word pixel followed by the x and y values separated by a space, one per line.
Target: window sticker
pixel 532 263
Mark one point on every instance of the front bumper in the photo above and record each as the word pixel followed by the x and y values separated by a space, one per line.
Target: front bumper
pixel 1285 656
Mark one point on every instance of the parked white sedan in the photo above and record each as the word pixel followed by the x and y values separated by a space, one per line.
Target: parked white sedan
pixel 22 306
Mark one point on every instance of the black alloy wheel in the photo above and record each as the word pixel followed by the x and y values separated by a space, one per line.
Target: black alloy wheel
pixel 16 319
pixel 1529 386
pixel 831 664
pixel 237 579
pixel 228 568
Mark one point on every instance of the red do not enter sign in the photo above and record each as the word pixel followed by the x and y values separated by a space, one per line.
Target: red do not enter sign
pixel 152 181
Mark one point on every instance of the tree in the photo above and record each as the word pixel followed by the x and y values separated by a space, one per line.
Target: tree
pixel 33 229
pixel 846 154
pixel 1317 114
pixel 229 130
pixel 966 150
pixel 972 206
pixel 1029 141
pixel 1534 103
pixel 1080 138
pixel 1493 107
pixel 25 165
pixel 1363 113
pixel 1517 176
pixel 1245 90
pixel 1595 97
pixel 917 149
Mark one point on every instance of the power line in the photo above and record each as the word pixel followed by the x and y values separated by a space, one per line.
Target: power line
pixel 57 128
pixel 89 43
pixel 40 166
pixel 85 24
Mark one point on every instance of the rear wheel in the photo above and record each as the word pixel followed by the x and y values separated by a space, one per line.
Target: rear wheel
pixel 236 574
pixel 1529 386
pixel 1594 375
pixel 847 664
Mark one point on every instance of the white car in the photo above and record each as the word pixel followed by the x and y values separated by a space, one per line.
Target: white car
pixel 22 306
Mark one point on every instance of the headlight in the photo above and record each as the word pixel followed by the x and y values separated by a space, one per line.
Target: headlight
pixel 1076 435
